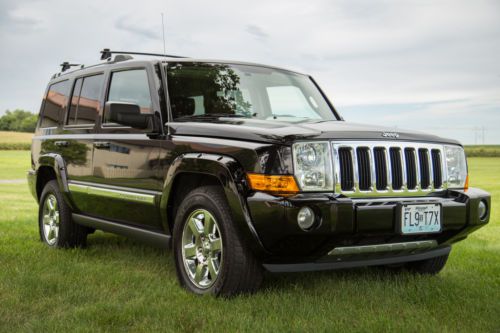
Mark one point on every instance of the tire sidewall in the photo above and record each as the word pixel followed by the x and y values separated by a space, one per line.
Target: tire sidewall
pixel 52 188
pixel 198 200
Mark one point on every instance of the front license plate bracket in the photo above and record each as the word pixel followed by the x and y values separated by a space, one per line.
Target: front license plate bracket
pixel 419 218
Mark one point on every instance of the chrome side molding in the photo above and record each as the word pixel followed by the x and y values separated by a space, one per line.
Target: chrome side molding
pixel 378 248
pixel 112 193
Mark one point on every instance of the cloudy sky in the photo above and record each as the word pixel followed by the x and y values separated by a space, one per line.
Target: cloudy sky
pixel 425 65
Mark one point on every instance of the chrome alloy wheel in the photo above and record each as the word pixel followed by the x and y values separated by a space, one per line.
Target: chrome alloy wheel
pixel 202 248
pixel 50 219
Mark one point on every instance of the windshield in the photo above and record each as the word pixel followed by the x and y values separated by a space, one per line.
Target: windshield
pixel 202 90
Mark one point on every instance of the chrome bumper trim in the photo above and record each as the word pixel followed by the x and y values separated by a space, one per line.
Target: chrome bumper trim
pixel 378 248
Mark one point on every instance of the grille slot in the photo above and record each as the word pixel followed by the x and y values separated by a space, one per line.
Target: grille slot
pixel 380 168
pixel 396 168
pixel 411 169
pixel 364 170
pixel 388 168
pixel 425 177
pixel 346 169
pixel 436 168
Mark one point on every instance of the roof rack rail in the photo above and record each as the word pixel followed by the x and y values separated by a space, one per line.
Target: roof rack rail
pixel 107 53
pixel 66 65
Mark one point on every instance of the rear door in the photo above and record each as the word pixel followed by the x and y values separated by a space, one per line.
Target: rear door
pixel 126 183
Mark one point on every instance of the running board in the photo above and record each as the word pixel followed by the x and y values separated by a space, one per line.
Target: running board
pixel 150 237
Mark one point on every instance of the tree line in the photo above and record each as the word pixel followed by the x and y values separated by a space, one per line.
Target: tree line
pixel 18 121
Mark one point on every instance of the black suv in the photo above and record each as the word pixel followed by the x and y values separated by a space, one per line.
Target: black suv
pixel 241 168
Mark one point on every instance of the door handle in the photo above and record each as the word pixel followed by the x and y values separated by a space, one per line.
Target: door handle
pixel 61 143
pixel 102 145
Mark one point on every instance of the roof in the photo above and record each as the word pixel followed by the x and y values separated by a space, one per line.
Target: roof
pixel 168 60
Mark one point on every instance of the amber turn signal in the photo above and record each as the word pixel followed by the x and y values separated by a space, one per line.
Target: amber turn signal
pixel 466 185
pixel 278 184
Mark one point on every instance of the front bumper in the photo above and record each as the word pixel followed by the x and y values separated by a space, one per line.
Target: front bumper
pixel 347 222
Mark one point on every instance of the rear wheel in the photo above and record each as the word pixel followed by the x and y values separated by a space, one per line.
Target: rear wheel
pixel 56 226
pixel 210 256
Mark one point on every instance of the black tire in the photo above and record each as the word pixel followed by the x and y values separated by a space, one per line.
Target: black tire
pixel 70 234
pixel 240 272
pixel 430 266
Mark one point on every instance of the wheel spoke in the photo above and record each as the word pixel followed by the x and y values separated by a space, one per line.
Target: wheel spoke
pixel 212 268
pixel 46 219
pixel 209 224
pixel 56 217
pixel 190 251
pixel 195 227
pixel 50 203
pixel 198 275
pixel 216 244
pixel 52 234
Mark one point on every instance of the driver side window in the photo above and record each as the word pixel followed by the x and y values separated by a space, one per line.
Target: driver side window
pixel 130 86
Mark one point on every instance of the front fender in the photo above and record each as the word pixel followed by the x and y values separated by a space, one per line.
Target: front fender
pixel 230 175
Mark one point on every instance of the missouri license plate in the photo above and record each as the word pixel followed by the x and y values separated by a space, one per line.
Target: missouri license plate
pixel 420 218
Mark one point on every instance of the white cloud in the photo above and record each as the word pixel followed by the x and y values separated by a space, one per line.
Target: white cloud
pixel 361 52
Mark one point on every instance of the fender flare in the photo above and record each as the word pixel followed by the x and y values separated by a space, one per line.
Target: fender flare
pixel 56 162
pixel 230 175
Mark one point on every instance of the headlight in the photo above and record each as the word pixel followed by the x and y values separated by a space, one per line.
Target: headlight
pixel 312 162
pixel 456 166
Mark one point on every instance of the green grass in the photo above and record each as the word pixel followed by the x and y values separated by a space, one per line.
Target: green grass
pixel 120 285
pixel 14 164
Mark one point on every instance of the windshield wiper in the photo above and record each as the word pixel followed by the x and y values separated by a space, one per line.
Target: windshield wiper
pixel 212 115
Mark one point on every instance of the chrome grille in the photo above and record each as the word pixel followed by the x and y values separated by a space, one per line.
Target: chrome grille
pixel 388 168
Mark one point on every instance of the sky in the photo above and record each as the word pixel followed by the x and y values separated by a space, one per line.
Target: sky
pixel 431 66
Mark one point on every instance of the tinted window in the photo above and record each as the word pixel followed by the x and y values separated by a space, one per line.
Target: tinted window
pixel 55 101
pixel 85 101
pixel 201 90
pixel 130 87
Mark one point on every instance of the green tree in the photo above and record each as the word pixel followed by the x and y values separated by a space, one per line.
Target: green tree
pixel 18 121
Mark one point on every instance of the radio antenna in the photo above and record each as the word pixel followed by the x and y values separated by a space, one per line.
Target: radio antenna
pixel 163 31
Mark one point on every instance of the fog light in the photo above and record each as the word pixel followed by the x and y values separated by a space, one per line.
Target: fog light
pixel 306 218
pixel 482 210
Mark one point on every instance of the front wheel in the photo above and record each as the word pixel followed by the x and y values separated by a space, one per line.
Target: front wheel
pixel 430 266
pixel 210 256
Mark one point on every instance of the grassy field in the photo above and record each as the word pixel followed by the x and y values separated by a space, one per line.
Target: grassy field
pixel 15 137
pixel 482 150
pixel 15 140
pixel 119 285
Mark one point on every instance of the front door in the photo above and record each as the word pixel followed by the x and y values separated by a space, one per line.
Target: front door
pixel 126 184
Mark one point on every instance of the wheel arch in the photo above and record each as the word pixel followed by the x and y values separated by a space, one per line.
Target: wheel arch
pixel 205 169
pixel 51 166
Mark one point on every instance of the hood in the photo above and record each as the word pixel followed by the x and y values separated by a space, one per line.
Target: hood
pixel 272 131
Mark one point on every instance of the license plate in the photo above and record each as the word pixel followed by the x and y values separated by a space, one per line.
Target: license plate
pixel 420 218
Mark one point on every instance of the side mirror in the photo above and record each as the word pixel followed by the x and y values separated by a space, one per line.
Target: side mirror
pixel 127 114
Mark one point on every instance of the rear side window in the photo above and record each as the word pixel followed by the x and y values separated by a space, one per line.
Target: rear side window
pixel 130 87
pixel 85 101
pixel 56 99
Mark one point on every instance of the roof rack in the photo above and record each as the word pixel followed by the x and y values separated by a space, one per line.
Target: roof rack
pixel 107 53
pixel 66 65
